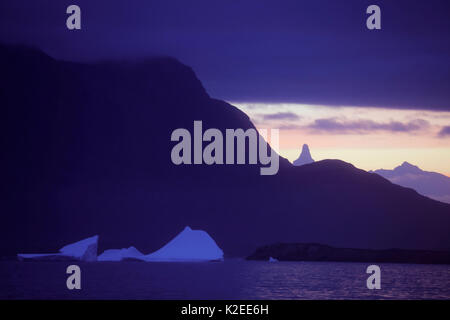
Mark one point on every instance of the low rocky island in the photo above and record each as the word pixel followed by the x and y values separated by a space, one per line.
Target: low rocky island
pixel 319 252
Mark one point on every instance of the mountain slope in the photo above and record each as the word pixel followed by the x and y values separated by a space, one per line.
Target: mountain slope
pixel 431 184
pixel 86 150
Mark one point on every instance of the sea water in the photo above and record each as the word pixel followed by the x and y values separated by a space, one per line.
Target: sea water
pixel 231 279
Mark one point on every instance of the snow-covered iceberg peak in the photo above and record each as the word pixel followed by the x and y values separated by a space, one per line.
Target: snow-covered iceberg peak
pixel 120 254
pixel 85 250
pixel 188 245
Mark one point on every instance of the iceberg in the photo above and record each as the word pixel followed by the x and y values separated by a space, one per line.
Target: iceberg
pixel 120 254
pixel 188 245
pixel 273 259
pixel 84 250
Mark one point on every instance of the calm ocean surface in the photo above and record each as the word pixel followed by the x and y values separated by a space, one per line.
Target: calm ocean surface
pixel 232 279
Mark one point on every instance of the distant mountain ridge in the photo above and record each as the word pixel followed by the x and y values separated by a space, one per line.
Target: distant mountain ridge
pixel 430 184
pixel 86 150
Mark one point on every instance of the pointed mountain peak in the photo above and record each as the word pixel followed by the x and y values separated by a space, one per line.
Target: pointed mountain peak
pixel 407 164
pixel 305 157
pixel 407 167
pixel 305 148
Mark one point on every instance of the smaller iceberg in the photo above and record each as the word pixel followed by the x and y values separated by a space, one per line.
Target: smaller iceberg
pixel 188 246
pixel 84 250
pixel 272 259
pixel 130 253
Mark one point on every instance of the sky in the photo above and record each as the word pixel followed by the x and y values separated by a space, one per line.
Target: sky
pixel 373 98
pixel 370 138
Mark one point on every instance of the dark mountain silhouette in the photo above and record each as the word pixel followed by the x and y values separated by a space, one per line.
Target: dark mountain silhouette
pixel 431 184
pixel 304 158
pixel 86 150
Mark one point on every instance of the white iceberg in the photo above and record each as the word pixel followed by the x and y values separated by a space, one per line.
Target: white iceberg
pixel 120 254
pixel 188 245
pixel 84 250
pixel 272 259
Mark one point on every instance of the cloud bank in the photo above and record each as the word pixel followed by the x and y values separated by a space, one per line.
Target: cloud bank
pixel 335 125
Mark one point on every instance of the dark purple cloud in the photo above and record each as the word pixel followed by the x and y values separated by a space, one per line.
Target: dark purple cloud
pixel 281 116
pixel 315 52
pixel 445 132
pixel 366 126
pixel 290 127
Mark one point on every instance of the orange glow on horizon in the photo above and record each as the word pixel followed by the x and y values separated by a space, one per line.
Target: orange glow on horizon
pixel 369 138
